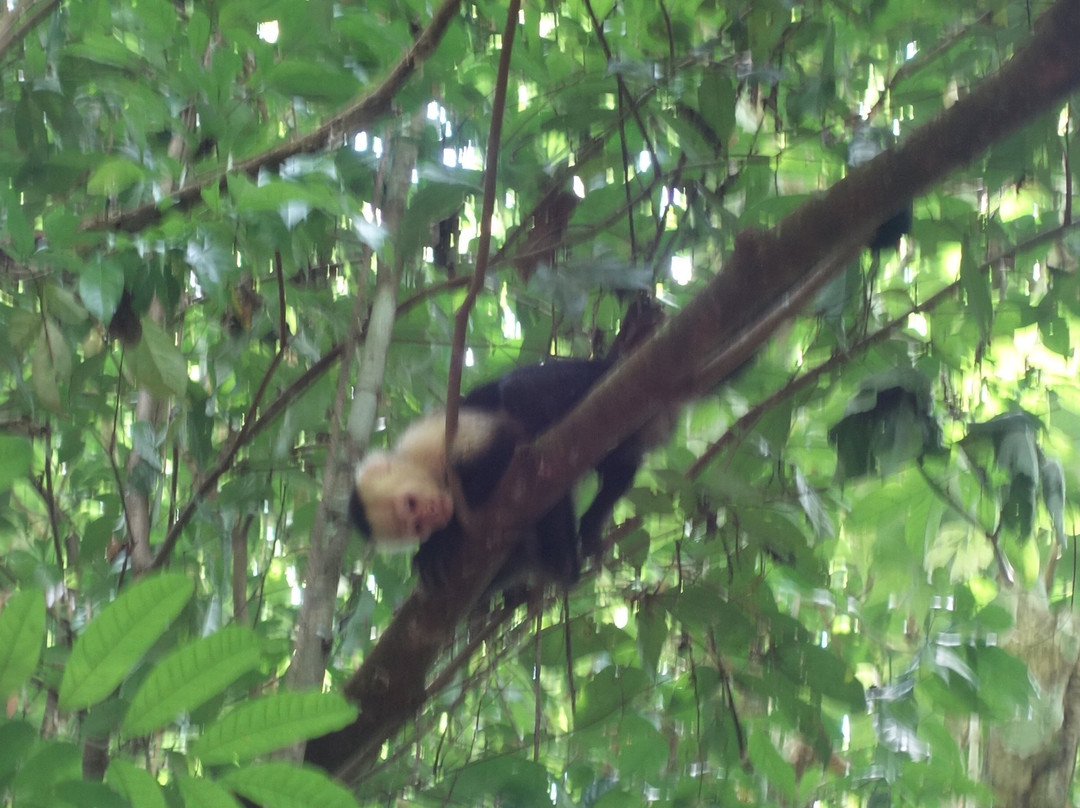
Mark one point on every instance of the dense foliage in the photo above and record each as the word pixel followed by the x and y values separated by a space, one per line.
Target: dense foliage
pixel 846 580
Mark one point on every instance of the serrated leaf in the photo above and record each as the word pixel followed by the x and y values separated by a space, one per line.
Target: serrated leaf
pixel 272 722
pixel 202 793
pixel 22 636
pixel 157 363
pixel 279 785
pixel 190 676
pixel 118 637
pixel 137 785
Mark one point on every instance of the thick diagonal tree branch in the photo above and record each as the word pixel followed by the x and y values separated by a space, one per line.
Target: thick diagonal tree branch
pixel 766 280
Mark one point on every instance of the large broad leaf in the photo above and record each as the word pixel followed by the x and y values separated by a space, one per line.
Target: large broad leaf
pixel 764 757
pixel 279 785
pixel 504 780
pixel 17 453
pixel 101 286
pixel 50 365
pixel 190 676
pixel 114 175
pixel 312 80
pixel 887 424
pixel 118 637
pixel 263 725
pixel 137 785
pixel 201 793
pixel 432 202
pixel 1016 453
pixel 157 363
pixel 22 635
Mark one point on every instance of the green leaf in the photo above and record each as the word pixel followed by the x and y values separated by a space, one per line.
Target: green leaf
pixel 86 794
pixel 118 637
pixel 114 175
pixel 716 101
pixel 652 632
pixel 101 286
pixel 51 762
pixel 608 693
pixel 823 671
pixel 17 740
pixel 202 793
pixel 886 425
pixel 1052 475
pixel 157 364
pixel 1005 687
pixel 273 722
pixel 509 779
pixel 643 750
pixel 50 365
pixel 312 80
pixel 17 227
pixel 975 280
pixel 279 785
pixel 18 454
pixel 137 785
pixel 22 636
pixel 765 758
pixel 63 305
pixel 191 675
pixel 433 202
pixel 209 261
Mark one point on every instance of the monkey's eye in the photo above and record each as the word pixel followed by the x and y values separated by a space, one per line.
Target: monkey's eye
pixel 410 503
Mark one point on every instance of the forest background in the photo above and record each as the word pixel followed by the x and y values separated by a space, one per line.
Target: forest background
pixel 241 240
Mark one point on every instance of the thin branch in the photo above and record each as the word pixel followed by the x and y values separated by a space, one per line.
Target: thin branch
pixel 246 432
pixel 360 115
pixel 16 26
pixel 811 377
pixel 487 211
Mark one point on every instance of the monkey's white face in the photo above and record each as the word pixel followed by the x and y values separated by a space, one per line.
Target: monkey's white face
pixel 404 505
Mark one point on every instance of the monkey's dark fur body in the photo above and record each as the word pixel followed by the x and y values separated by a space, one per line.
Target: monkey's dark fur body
pixel 525 402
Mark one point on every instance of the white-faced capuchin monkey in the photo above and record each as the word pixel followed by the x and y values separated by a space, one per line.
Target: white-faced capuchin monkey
pixel 401 498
